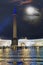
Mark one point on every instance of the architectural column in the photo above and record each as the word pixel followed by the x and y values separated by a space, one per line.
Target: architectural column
pixel 14 42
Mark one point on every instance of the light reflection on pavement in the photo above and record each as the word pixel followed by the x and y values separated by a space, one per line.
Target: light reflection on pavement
pixel 6 56
pixel 9 56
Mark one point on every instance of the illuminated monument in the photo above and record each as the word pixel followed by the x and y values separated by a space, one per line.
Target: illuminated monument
pixel 15 42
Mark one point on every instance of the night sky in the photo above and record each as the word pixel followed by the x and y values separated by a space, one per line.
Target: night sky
pixel 6 21
pixel 24 29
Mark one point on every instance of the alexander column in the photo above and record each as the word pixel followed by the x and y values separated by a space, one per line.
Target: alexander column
pixel 14 41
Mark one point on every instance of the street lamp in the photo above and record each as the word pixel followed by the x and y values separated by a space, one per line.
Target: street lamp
pixel 30 10
pixel 31 14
